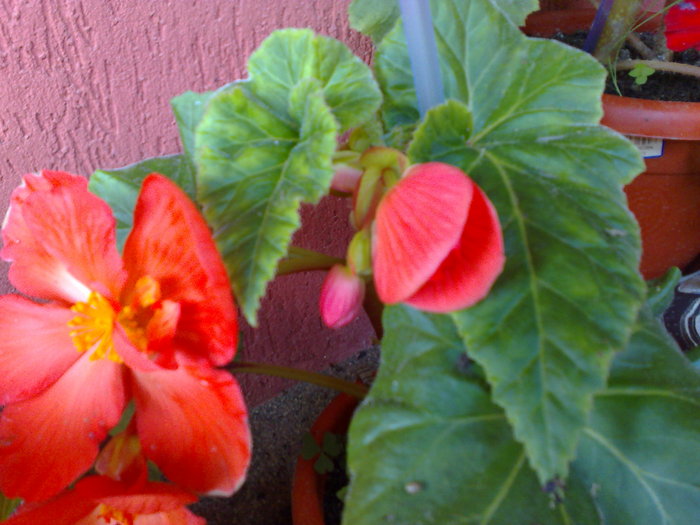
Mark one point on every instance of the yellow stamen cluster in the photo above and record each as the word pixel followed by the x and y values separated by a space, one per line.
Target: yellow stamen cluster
pixel 92 328
pixel 113 516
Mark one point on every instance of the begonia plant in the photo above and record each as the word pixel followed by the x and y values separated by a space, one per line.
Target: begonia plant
pixel 524 375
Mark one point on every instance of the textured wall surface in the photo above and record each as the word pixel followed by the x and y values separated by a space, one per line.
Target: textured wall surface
pixel 85 84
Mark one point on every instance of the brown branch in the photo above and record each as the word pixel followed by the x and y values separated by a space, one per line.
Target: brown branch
pixel 660 65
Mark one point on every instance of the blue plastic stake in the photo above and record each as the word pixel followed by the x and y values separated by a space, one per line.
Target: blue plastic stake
pixel 423 53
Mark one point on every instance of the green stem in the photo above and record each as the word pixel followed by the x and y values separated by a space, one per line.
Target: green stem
pixel 301 260
pixel 374 308
pixel 354 389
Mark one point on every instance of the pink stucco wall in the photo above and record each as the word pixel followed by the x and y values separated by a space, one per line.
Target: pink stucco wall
pixel 85 84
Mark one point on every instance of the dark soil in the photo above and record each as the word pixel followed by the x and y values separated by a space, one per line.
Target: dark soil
pixel 659 86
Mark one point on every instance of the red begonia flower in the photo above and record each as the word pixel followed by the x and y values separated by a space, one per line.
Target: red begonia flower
pixel 437 242
pixel 149 325
pixel 100 500
pixel 683 26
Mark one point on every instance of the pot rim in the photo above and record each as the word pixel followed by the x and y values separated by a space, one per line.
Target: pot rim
pixel 307 487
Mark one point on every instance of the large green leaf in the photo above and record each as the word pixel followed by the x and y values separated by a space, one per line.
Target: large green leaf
pixel 120 187
pixel 428 446
pixel 265 145
pixel 523 124
pixel 376 18
pixel 641 450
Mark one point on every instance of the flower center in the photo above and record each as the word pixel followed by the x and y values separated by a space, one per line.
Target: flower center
pixel 112 516
pixel 93 325
pixel 135 317
pixel 91 328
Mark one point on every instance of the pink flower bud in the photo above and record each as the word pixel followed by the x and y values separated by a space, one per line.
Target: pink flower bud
pixel 341 299
pixel 437 243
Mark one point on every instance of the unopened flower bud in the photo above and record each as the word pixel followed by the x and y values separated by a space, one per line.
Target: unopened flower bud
pixel 341 298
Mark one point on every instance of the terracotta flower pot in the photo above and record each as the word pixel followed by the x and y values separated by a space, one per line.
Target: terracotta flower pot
pixel 308 485
pixel 665 198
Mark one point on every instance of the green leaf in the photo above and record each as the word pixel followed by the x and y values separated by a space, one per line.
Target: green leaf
pixel 323 465
pixel 7 506
pixel 265 146
pixel 120 187
pixel 372 18
pixel 641 73
pixel 255 169
pixel 523 124
pixel 376 18
pixel 641 450
pixel 291 56
pixel 309 447
pixel 428 446
pixel 516 11
pixel 332 444
pixel 662 289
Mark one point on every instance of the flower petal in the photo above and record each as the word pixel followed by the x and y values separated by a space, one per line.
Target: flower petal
pixel 471 268
pixel 157 503
pixel 341 296
pixel 193 424
pixel 35 348
pixel 171 243
pixel 60 239
pixel 682 24
pixel 417 224
pixel 49 440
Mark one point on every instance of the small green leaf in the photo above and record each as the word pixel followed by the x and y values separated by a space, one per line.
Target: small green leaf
pixel 7 506
pixel 641 72
pixel 323 464
pixel 120 187
pixel 342 493
pixel 309 447
pixel 332 444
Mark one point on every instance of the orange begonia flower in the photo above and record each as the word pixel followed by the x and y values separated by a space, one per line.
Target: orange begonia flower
pixel 437 242
pixel 149 326
pixel 100 500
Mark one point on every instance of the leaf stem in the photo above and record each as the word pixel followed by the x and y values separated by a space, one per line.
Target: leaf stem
pixel 354 389
pixel 423 53
pixel 301 260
